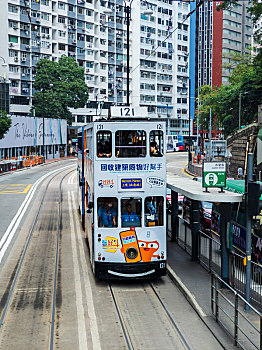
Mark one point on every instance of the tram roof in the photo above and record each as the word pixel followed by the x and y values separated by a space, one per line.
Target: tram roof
pixel 194 190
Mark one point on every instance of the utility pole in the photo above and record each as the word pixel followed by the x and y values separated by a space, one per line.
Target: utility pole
pixel 210 134
pixel 127 8
pixel 197 124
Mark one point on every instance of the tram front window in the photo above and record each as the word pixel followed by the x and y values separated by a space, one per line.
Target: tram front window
pixel 107 212
pixel 104 144
pixel 130 143
pixel 131 212
pixel 154 209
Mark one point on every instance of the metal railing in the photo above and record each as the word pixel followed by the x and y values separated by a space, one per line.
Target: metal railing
pixel 238 278
pixel 227 307
pixel 210 259
pixel 209 253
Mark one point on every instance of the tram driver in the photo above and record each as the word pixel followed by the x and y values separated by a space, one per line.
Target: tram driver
pixel 107 215
pixel 130 218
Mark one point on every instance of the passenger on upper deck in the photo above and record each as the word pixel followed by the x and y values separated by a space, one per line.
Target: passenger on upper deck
pixel 104 149
pixel 154 152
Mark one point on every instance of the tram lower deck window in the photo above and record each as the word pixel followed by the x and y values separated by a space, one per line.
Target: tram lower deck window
pixel 107 212
pixel 154 211
pixel 131 209
pixel 130 143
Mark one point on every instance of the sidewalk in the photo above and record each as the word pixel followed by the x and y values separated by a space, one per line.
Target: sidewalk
pixel 195 283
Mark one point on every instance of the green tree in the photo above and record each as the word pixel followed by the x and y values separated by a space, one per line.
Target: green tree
pixel 245 83
pixel 59 86
pixel 5 123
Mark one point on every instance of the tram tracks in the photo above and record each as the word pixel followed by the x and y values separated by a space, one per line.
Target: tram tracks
pixel 44 297
pixel 150 291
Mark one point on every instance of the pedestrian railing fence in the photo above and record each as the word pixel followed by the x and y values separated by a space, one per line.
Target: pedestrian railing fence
pixel 228 308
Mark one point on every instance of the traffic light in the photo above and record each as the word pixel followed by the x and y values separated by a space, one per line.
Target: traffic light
pixel 254 204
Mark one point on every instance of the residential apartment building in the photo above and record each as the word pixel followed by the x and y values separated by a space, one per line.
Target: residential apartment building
pixel 220 35
pixel 95 34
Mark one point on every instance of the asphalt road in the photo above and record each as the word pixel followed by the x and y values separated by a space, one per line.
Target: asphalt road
pixel 176 162
pixel 84 310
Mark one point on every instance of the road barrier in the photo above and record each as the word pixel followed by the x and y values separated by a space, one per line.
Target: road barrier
pixel 14 164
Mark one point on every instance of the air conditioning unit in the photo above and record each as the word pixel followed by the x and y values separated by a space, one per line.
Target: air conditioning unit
pixel 27 47
pixel 16 59
pixel 43 35
pixel 37 20
pixel 11 44
pixel 74 27
pixel 23 74
pixel 15 28
pixel 69 27
pixel 38 43
pixel 23 59
pixel 74 41
pixel 47 36
pixel 38 35
pixel 65 25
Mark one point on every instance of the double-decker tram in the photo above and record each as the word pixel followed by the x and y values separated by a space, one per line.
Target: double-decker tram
pixel 122 185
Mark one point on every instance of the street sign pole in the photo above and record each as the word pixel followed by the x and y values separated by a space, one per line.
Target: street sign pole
pixel 250 158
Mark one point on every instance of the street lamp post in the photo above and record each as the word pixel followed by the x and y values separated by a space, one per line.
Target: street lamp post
pixel 43 112
pixel 197 124
pixel 43 91
pixel 239 108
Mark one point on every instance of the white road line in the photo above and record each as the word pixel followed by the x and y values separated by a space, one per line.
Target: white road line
pixel 71 179
pixel 81 325
pixel 88 290
pixel 9 233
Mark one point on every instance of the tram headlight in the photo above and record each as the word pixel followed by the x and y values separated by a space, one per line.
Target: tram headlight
pixel 131 253
pixel 99 254
pixel 162 253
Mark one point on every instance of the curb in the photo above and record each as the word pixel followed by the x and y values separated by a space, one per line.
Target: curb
pixel 192 301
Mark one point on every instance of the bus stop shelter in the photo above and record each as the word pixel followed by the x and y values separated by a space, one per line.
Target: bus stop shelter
pixel 196 193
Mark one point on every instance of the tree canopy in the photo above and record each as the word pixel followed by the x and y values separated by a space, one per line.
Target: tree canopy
pixel 245 84
pixel 59 86
pixel 5 123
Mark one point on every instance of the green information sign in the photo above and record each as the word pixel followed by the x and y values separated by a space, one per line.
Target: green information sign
pixel 214 174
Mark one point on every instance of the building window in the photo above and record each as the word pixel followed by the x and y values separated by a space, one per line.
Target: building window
pixel 13 39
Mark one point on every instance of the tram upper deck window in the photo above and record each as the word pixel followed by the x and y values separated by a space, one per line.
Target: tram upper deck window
pixel 154 211
pixel 156 143
pixel 131 212
pixel 130 143
pixel 104 144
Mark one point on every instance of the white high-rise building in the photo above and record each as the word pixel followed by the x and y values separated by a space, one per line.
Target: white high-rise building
pixel 95 34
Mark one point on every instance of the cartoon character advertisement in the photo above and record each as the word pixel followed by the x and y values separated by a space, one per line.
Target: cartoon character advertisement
pixel 133 249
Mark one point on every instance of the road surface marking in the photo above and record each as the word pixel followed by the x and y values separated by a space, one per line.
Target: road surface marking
pixel 81 325
pixel 71 179
pixel 88 289
pixel 9 233
pixel 15 188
